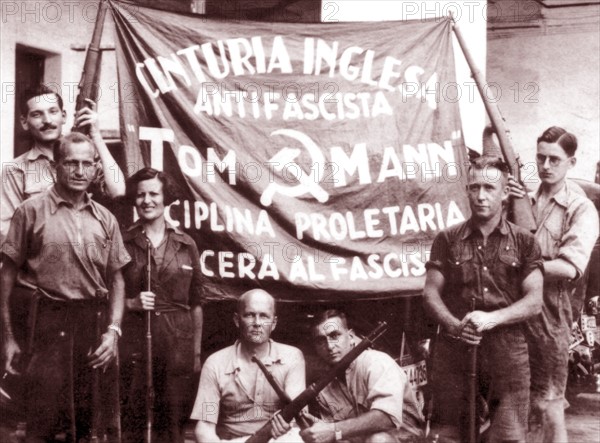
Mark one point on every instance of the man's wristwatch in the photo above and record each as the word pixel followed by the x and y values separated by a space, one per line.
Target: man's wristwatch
pixel 338 433
pixel 115 327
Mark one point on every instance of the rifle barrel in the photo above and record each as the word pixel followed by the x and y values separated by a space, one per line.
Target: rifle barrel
pixel 149 376
pixel 90 76
pixel 521 210
pixel 473 388
pixel 297 404
pixel 285 399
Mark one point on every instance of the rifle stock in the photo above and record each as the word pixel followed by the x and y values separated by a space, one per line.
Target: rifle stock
pixel 297 404
pixel 521 212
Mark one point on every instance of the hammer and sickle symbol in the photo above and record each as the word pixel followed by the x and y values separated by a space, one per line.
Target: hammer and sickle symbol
pixel 307 183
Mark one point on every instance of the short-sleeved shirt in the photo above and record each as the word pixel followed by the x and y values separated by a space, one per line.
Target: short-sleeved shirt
pixel 236 409
pixel 567 229
pixel 491 274
pixel 27 175
pixel 373 382
pixel 68 253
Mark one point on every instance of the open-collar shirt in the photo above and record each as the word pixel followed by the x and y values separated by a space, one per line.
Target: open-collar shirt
pixel 225 399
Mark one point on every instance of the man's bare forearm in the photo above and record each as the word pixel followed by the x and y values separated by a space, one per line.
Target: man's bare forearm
pixel 559 269
pixel 529 305
pixel 117 298
pixel 434 305
pixel 365 424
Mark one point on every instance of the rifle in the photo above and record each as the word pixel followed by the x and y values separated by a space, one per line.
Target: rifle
pixel 149 377
pixel 90 77
pixel 520 208
pixel 472 382
pixel 285 399
pixel 309 394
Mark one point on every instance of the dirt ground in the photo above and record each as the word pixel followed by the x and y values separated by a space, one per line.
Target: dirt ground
pixel 583 418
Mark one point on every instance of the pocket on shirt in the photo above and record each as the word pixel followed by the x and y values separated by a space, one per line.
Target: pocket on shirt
pixel 508 266
pixel 460 264
pixel 99 250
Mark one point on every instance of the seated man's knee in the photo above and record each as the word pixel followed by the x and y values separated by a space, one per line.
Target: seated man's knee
pixel 379 437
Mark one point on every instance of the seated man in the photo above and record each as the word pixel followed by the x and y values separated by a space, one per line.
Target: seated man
pixel 372 403
pixel 234 398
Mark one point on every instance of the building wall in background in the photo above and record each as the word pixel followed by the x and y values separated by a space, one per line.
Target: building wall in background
pixel 60 30
pixel 544 59
pixel 546 64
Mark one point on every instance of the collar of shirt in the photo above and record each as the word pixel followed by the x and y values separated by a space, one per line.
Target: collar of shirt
pixel 136 231
pixel 56 200
pixel 469 229
pixel 233 366
pixel 34 153
pixel 561 197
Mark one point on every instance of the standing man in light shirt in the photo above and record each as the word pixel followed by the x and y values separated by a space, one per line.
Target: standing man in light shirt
pixel 567 228
pixel 66 252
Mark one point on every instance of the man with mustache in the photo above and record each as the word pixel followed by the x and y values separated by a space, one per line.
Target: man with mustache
pixel 567 230
pixel 43 117
pixel 234 398
pixel 483 282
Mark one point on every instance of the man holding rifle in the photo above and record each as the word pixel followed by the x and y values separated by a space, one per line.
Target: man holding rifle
pixel 495 265
pixel 234 398
pixel 567 230
pixel 43 117
pixel 67 252
pixel 372 402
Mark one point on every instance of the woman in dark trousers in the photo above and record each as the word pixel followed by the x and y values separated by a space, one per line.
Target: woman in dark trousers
pixel 175 303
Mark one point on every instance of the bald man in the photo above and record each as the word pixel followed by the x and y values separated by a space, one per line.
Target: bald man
pixel 234 398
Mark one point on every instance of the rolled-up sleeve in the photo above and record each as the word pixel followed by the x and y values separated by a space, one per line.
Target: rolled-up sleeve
pixel 578 240
pixel 15 244
pixel 11 195
pixel 531 255
pixel 386 382
pixel 439 254
pixel 206 406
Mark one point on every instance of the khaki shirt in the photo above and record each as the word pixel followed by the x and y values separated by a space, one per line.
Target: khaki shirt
pixel 567 229
pixel 373 382
pixel 237 409
pixel 68 253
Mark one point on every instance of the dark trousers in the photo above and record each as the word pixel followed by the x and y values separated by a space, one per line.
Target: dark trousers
pixel 59 393
pixel 175 384
pixel 503 380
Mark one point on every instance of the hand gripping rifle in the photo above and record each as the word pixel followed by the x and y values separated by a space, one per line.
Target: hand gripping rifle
pixel 309 394
pixel 520 210
pixel 89 84
pixel 285 399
